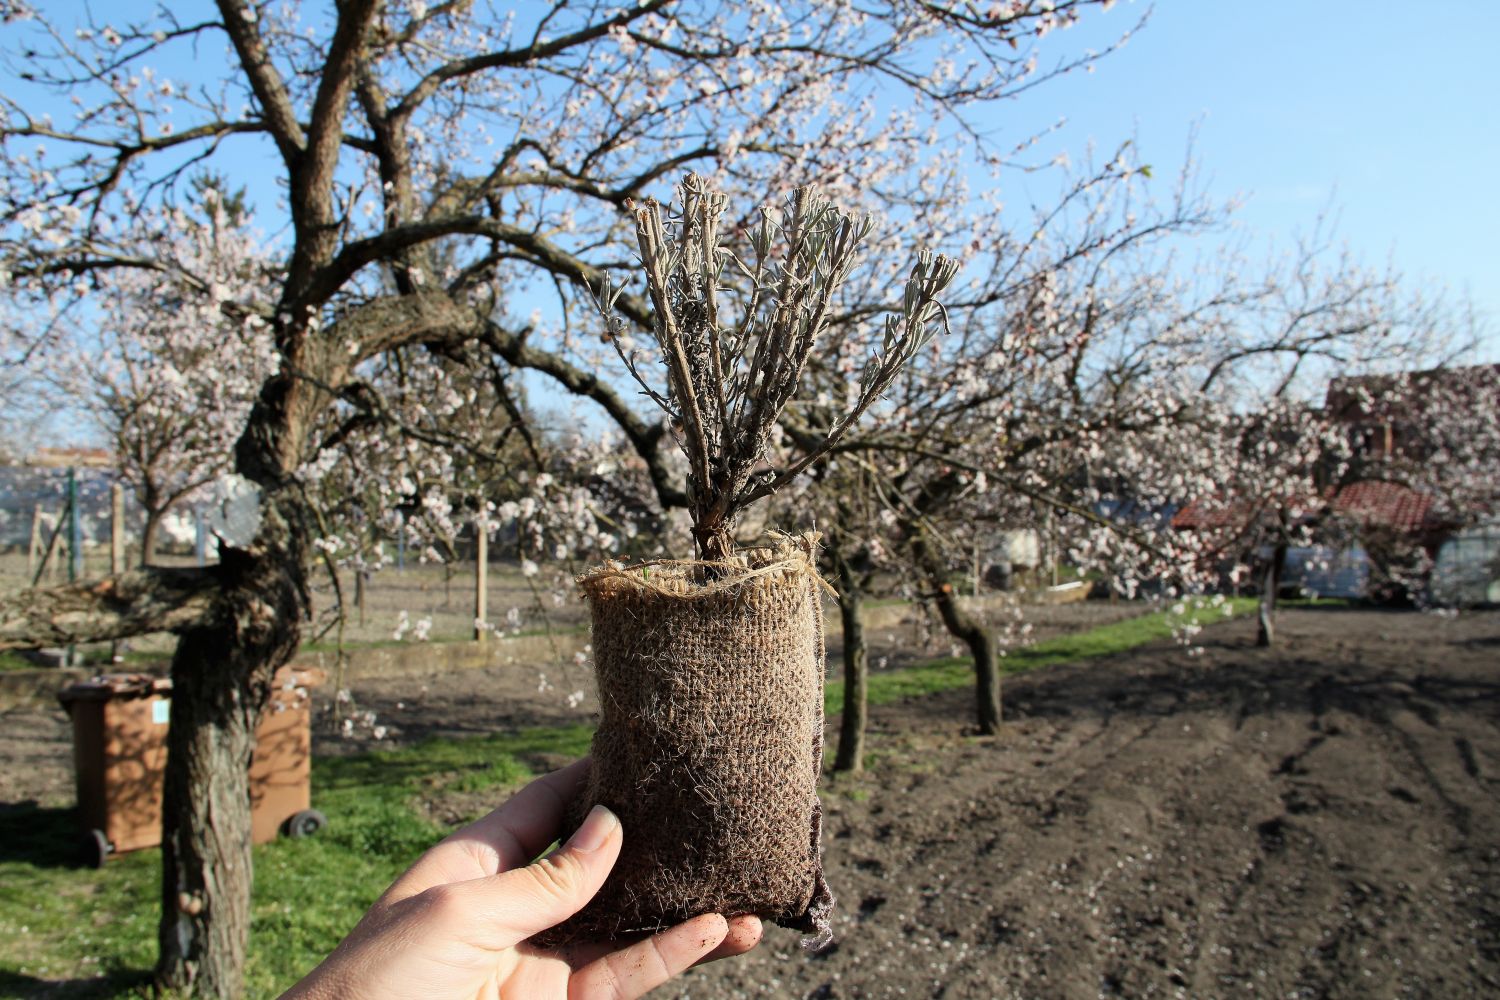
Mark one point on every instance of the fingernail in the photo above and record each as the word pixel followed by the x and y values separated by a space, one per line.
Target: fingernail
pixel 597 826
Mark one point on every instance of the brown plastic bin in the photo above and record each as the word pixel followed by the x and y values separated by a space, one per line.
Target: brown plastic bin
pixel 120 755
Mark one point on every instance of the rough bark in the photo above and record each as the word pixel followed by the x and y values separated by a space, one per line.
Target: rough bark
pixel 222 673
pixel 221 680
pixel 851 751
pixel 144 600
pixel 221 677
pixel 713 540
pixel 963 627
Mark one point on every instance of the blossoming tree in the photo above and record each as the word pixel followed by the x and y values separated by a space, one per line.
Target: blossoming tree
pixel 438 160
pixel 1099 388
pixel 162 370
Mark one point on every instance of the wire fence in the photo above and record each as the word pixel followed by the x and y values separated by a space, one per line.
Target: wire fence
pixel 79 523
pixel 58 524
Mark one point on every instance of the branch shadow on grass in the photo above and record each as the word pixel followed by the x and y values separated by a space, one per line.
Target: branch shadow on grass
pixel 40 836
pixel 111 983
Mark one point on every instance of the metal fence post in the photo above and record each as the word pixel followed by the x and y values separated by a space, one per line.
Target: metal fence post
pixel 116 546
pixel 75 552
pixel 34 550
pixel 116 529
pixel 75 529
pixel 481 576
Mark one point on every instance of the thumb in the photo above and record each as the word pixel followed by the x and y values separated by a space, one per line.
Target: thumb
pixel 502 910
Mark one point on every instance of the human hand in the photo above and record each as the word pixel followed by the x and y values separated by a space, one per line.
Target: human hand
pixel 456 924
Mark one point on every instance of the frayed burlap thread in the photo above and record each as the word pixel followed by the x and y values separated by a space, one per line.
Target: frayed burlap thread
pixel 710 742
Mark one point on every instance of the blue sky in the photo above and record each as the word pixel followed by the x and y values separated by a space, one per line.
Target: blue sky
pixel 1388 113
pixel 1384 113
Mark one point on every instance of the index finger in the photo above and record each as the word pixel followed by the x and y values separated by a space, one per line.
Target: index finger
pixel 509 837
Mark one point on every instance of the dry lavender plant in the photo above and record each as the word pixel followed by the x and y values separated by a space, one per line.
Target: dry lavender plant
pixel 729 378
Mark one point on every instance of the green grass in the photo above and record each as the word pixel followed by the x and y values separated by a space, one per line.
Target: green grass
pixel 1337 603
pixel 58 921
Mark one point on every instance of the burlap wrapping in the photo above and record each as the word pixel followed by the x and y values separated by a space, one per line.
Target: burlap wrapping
pixel 709 743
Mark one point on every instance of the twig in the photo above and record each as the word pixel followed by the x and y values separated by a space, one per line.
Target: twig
pixel 727 406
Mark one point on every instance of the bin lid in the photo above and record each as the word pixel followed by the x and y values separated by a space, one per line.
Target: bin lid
pixel 108 687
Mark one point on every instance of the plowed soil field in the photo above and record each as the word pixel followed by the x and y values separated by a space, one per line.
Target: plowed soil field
pixel 1318 820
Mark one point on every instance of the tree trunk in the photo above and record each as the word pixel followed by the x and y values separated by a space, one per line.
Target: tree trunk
pixel 963 627
pixel 982 648
pixel 221 680
pixel 206 861
pixel 851 752
pixel 1265 634
pixel 151 535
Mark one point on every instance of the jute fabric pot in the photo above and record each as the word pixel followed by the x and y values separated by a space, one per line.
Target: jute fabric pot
pixel 709 743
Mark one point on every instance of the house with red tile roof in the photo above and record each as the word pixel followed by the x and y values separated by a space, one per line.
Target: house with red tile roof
pixel 1423 466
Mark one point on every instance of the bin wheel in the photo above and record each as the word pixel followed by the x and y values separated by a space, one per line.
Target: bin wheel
pixel 305 823
pixel 96 848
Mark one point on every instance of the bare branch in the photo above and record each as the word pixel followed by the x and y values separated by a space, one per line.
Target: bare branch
pixel 135 603
pixel 532 53
pixel 265 80
pixel 643 437
pixel 729 403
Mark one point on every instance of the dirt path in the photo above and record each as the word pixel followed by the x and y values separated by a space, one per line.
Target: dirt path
pixel 1318 821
